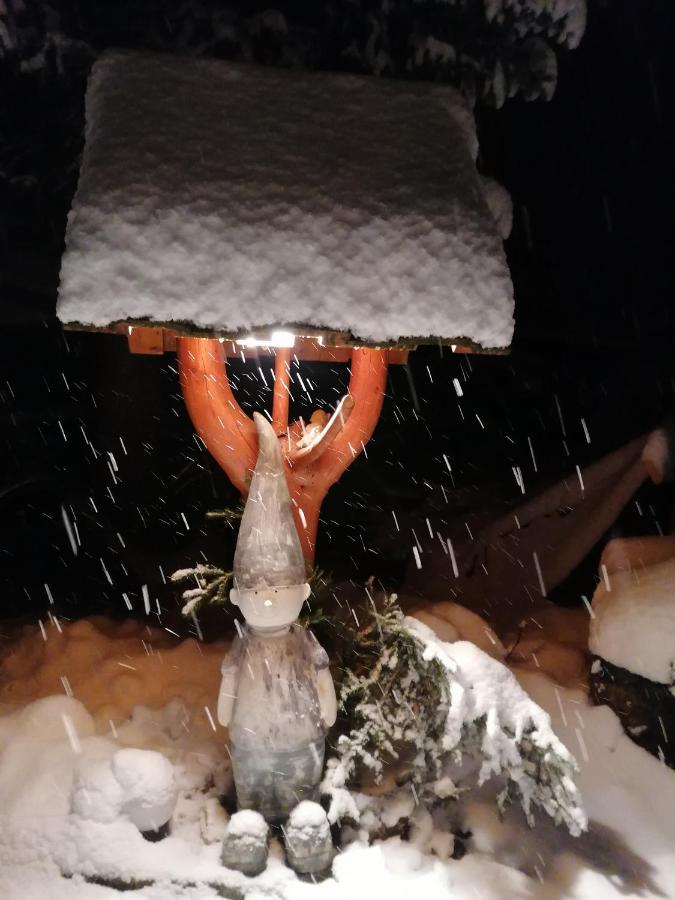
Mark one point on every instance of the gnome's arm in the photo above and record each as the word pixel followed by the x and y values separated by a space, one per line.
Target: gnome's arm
pixel 228 682
pixel 325 688
pixel 327 699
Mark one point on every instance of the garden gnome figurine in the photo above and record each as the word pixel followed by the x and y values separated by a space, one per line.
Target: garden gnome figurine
pixel 276 696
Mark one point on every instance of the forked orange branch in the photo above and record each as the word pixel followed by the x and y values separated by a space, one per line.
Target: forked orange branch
pixel 314 458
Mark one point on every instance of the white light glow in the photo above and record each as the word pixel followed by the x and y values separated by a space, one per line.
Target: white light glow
pixel 283 339
pixel 278 339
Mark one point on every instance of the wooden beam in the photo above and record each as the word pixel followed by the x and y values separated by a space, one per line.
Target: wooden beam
pixel 156 340
pixel 146 340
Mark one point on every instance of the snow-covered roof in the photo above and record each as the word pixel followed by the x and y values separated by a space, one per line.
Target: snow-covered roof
pixel 231 198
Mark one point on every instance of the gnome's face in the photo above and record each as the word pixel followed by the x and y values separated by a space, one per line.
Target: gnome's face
pixel 273 609
pixel 269 568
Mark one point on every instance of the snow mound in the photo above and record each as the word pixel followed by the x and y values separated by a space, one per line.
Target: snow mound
pixel 96 794
pixel 148 786
pixel 307 815
pixel 234 197
pixel 500 205
pixel 247 822
pixel 52 717
pixel 111 668
pixel 633 625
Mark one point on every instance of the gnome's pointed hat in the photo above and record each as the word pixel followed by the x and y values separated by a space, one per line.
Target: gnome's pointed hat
pixel 268 560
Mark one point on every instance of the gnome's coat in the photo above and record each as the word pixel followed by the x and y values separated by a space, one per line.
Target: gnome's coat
pixel 277 724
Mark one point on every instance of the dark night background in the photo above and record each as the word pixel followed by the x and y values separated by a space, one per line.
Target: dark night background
pixel 104 435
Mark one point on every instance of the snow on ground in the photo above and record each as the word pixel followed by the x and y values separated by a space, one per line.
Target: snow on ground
pixel 46 851
pixel 238 197
pixel 629 797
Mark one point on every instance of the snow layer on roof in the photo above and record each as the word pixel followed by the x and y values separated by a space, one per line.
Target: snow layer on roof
pixel 235 197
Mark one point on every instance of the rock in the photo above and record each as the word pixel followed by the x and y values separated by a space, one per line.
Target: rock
pixel 246 842
pixel 442 628
pixel 309 846
pixel 154 835
pixel 624 554
pixel 558 623
pixel 646 709
pixel 633 624
pixel 632 634
pixel 563 663
pixel 452 622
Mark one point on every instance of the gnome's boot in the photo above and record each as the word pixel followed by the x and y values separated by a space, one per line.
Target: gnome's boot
pixel 309 846
pixel 246 843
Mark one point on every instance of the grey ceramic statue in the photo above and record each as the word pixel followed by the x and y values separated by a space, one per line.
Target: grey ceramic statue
pixel 276 696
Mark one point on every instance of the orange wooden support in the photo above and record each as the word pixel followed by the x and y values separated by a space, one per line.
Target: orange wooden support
pixel 226 430
pixel 314 457
pixel 282 390
pixel 146 340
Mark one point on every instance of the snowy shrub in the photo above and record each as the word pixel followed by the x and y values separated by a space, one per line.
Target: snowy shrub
pixel 205 583
pixel 209 585
pixel 490 49
pixel 415 704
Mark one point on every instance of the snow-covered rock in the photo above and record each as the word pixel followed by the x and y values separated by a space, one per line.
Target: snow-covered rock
pixel 52 717
pixel 136 783
pixel 96 794
pixel 41 746
pixel 499 203
pixel 633 624
pixel 234 197
pixel 148 787
pixel 248 822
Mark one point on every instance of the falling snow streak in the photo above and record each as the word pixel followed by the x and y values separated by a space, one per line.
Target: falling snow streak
pixel 69 530
pixel 540 577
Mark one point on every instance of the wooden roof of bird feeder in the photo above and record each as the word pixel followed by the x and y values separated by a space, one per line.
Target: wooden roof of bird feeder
pixel 328 216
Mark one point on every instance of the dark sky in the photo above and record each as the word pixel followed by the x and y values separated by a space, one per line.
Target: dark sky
pixel 591 174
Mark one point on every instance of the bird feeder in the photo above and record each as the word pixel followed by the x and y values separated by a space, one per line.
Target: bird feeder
pixel 229 210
